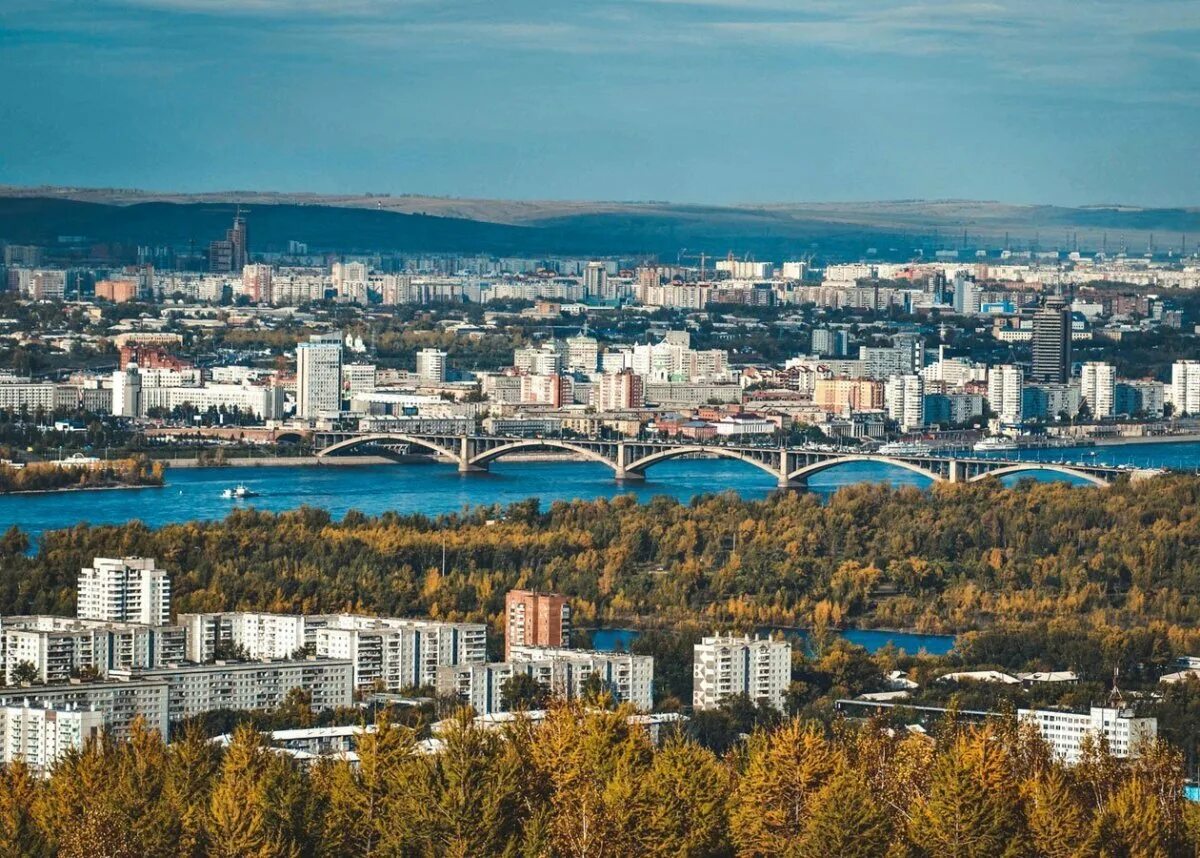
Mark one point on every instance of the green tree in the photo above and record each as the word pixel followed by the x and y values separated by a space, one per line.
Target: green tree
pixel 846 821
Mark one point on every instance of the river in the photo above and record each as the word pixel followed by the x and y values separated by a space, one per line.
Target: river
pixel 873 640
pixel 434 488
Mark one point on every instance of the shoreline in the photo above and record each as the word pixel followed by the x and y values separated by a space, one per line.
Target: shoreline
pixel 83 489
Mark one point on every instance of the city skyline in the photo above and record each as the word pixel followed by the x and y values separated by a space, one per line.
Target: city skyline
pixel 709 101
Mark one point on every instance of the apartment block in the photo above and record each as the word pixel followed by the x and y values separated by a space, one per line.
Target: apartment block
pixel 125 590
pixel 40 736
pixel 725 666
pixel 120 703
pixel 564 673
pixel 536 619
pixel 388 652
pixel 1065 731
pixel 59 648
pixel 193 689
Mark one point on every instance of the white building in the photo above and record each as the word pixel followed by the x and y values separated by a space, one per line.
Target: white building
pixel 194 689
pixel 40 737
pixel 120 703
pixel 562 672
pixel 318 377
pixel 125 590
pixel 1098 382
pixel 761 669
pixel 431 365
pixel 583 354
pixel 1005 385
pixel 1185 386
pixel 127 392
pixel 60 648
pixel 904 399
pixel 1065 731
pixel 389 652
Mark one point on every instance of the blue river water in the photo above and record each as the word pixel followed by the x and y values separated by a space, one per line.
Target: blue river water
pixel 872 640
pixel 435 488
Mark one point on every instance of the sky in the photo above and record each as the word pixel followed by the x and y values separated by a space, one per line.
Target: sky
pixel 712 101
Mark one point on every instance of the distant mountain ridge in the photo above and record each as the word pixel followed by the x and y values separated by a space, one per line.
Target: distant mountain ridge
pixel 542 227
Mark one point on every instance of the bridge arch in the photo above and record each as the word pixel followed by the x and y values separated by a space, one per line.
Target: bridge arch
pixel 539 443
pixel 366 440
pixel 639 466
pixel 1020 467
pixel 801 474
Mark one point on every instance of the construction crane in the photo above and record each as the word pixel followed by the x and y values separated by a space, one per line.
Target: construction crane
pixel 683 254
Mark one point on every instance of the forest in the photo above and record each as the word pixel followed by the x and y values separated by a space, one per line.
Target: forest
pixel 959 558
pixel 585 783
pixel 134 471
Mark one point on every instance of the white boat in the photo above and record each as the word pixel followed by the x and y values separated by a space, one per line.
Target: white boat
pixel 240 491
pixel 905 448
pixel 995 444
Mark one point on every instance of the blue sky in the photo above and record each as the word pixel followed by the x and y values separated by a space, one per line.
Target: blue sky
pixel 1058 101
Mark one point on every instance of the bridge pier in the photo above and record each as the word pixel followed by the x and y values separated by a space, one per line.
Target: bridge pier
pixel 623 476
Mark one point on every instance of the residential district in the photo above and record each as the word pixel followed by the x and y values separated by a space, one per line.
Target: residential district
pixel 123 659
pixel 262 348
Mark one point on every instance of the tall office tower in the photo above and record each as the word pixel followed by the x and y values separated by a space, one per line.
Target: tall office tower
pixel 231 253
pixel 318 377
pixel 124 590
pixel 1098 383
pixel 595 277
pixel 1052 342
pixel 127 392
pixel 536 619
pixel 1185 386
pixel 904 397
pixel 431 365
pixel 966 296
pixel 728 666
pixel 1005 385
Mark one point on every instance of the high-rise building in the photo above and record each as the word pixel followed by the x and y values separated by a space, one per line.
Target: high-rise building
pixel 966 296
pixel 127 392
pixel 431 365
pixel 256 282
pixel 583 353
pixel 125 590
pixel 40 736
pixel 829 343
pixel 536 619
pixel 318 377
pixel 1185 387
pixel 1052 342
pixel 618 391
pixel 761 669
pixel 231 253
pixel 1005 384
pixel 595 280
pixel 904 398
pixel 1098 382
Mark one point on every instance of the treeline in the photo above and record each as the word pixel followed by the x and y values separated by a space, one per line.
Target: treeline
pixel 135 471
pixel 949 559
pixel 589 784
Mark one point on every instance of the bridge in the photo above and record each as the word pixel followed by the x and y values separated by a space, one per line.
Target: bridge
pixel 630 459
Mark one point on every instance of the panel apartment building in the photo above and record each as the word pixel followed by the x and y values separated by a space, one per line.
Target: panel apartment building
pixel 725 666
pixel 563 672
pixel 124 590
pixel 60 648
pixel 389 653
pixel 1065 731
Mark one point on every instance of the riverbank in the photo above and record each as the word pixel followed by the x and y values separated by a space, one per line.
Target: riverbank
pixel 282 462
pixel 1146 439
pixel 62 489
